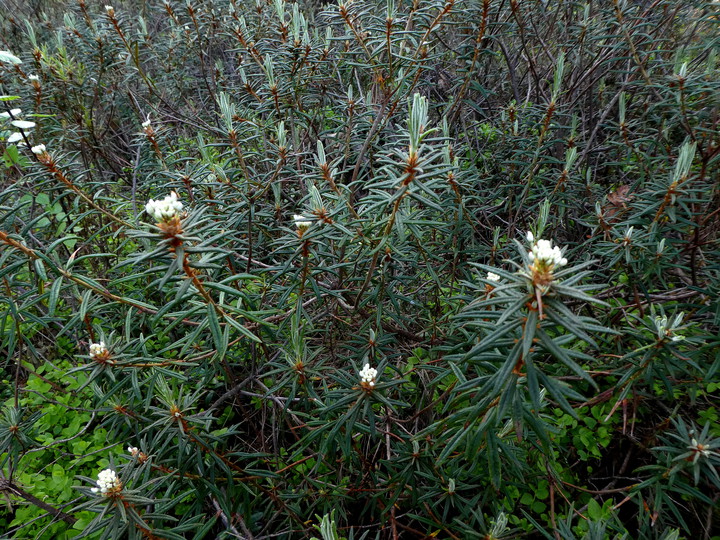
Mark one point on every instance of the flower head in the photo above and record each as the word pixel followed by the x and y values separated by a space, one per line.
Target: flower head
pixel 98 350
pixel 136 453
pixel 544 254
pixel 100 353
pixel 301 222
pixel 147 127
pixel 368 376
pixel 493 281
pixel 110 11
pixel 39 149
pixel 108 483
pixel 166 209
pixel 33 77
pixel 544 260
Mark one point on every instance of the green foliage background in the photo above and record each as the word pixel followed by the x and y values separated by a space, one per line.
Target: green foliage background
pixel 422 140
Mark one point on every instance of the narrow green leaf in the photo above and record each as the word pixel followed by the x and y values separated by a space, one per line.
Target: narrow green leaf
pixel 242 329
pixel 214 325
pixel 559 353
pixel 40 269
pixel 54 295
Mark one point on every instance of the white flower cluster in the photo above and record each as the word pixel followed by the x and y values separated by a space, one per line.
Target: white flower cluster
pixel 133 450
pixel 98 349
pixel 165 209
pixel 545 254
pixel 491 276
pixel 301 222
pixel 107 482
pixel 368 375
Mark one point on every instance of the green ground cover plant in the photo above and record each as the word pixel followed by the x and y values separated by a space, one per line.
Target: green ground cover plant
pixel 372 269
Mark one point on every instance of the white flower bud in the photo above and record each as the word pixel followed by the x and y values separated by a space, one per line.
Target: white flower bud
pixel 545 254
pixel 368 375
pixel 98 349
pixel 166 209
pixel 107 482
pixel 301 222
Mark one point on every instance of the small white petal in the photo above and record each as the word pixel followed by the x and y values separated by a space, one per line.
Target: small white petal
pixel 301 222
pixel 23 124
pixel 13 112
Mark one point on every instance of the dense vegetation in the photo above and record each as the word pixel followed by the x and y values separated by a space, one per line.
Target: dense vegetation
pixel 407 268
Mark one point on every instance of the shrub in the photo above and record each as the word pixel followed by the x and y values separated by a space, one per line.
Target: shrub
pixel 405 269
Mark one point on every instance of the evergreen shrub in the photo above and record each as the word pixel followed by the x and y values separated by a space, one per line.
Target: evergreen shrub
pixel 379 269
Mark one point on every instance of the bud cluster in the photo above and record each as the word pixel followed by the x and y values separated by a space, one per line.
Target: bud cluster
pixel 545 255
pixel 166 209
pixel 368 376
pixel 135 452
pixel 108 483
pixel 544 260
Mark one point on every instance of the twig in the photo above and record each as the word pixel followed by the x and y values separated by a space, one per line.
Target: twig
pixel 9 487
pixel 226 521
